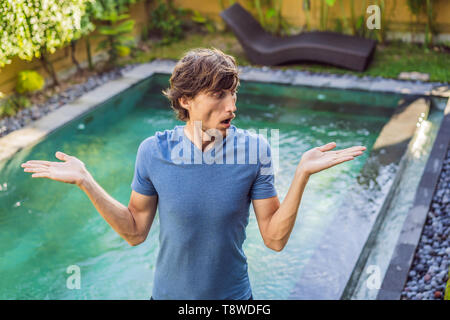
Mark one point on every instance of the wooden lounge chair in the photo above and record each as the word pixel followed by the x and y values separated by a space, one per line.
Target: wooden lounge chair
pixel 262 48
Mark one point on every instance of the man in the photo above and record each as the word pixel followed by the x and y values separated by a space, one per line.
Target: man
pixel 203 205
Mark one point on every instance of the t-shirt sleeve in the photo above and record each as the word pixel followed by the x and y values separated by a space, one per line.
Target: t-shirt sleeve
pixel 141 181
pixel 264 184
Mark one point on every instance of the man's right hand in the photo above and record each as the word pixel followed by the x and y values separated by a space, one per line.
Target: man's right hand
pixel 72 170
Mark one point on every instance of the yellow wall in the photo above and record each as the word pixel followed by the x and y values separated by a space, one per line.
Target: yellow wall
pixel 292 10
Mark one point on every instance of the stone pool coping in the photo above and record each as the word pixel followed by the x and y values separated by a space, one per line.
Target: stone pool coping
pixel 37 130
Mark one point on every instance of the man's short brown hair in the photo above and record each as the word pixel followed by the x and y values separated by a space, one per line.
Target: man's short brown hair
pixel 201 70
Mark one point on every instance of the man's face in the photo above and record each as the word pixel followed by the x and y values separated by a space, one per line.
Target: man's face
pixel 214 110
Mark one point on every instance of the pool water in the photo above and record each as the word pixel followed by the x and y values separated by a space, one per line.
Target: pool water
pixel 47 226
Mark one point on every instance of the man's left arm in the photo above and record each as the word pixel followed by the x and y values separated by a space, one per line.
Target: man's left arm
pixel 276 221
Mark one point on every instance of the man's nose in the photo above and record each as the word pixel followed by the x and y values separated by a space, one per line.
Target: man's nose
pixel 231 105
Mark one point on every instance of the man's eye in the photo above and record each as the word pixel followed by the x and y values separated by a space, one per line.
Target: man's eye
pixel 220 95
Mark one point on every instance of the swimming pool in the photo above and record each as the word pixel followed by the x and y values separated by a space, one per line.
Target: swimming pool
pixel 47 226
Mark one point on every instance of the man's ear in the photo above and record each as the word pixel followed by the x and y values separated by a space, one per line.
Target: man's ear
pixel 185 102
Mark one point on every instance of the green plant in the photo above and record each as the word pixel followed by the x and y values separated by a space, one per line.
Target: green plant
pixel 7 108
pixel 418 7
pixel 269 16
pixel 385 19
pixel 324 4
pixel 207 23
pixel 117 39
pixel 99 10
pixel 10 105
pixel 339 25
pixel 430 29
pixel 307 8
pixel 357 22
pixel 166 22
pixel 29 81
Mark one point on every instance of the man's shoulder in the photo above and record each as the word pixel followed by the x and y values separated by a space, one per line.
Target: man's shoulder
pixel 160 140
pixel 164 135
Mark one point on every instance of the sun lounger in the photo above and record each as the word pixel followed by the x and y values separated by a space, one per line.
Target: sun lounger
pixel 354 53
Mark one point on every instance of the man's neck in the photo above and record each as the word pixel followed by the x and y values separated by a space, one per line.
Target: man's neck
pixel 199 138
pixel 196 137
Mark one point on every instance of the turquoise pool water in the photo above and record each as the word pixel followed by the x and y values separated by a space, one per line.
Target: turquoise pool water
pixel 47 226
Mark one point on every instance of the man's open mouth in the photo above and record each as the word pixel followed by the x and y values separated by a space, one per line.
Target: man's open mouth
pixel 226 121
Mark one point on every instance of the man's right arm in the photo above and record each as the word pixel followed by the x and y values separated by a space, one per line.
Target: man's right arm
pixel 132 223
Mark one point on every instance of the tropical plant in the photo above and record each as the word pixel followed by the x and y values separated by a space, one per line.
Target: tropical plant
pixel 166 22
pixel 117 35
pixel 307 8
pixel 10 105
pixel 203 21
pixel 7 108
pixel 357 22
pixel 98 11
pixel 418 7
pixel 324 4
pixel 29 81
pixel 269 16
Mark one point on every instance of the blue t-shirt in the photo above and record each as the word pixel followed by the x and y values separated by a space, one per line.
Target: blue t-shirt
pixel 203 205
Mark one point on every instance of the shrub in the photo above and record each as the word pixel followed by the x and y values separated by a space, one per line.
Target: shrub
pixel 166 22
pixel 29 81
pixel 123 51
pixel 10 105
